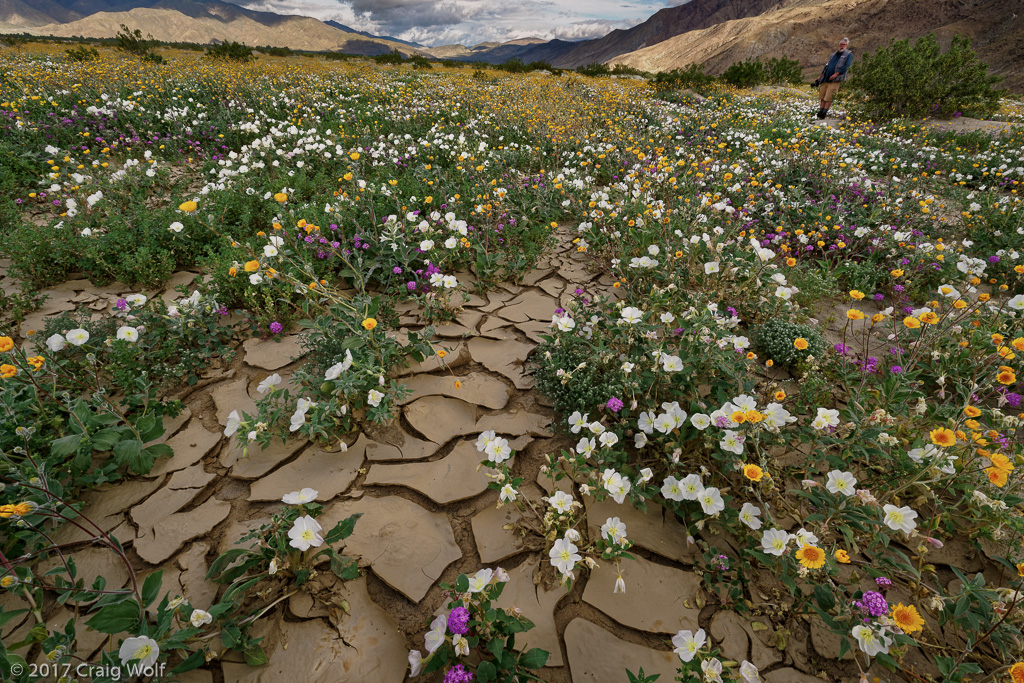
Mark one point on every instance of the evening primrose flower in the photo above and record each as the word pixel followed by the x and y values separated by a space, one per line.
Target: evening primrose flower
pixel 305 533
pixel 200 618
pixel 900 518
pixel 749 515
pixel 563 555
pixel 711 267
pixel 335 370
pixel 508 493
pixel 578 421
pixel 269 384
pixel 435 636
pixel 841 482
pixel 631 315
pixel 827 417
pixel 77 336
pixel 613 530
pixel 128 334
pixel 774 541
pixel 562 502
pixel 56 342
pixel 306 495
pixel 871 642
pixel 749 673
pixel 498 450
pixel 234 421
pixel 671 489
pixel 687 643
pixel 141 649
pixel 691 487
pixel 710 500
pixel 374 397
pixel 480 580
pixel 415 663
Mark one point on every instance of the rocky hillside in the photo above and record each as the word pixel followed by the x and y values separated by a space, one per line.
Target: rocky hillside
pixel 212 21
pixel 806 30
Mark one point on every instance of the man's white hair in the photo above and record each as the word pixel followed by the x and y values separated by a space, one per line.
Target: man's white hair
pixel 845 40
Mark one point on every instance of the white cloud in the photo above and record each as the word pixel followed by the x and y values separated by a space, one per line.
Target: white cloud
pixel 470 22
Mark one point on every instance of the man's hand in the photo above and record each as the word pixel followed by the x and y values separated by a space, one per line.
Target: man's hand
pixel 833 77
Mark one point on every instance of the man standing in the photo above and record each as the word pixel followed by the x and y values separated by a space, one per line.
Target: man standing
pixel 833 75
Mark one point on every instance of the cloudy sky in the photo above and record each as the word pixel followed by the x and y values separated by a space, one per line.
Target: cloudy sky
pixel 443 22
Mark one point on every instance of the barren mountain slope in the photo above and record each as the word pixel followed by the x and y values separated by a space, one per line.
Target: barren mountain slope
pixel 806 30
pixel 664 24
pixel 210 25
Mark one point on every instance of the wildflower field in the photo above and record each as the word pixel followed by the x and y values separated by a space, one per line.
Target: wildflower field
pixel 316 370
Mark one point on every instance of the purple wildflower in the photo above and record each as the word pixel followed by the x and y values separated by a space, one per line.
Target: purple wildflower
pixel 410 286
pixel 458 674
pixel 841 349
pixel 896 369
pixel 396 270
pixel 276 327
pixel 614 404
pixel 458 621
pixel 873 603
pixel 883 582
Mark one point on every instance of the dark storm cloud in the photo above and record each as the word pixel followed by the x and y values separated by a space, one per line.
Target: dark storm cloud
pixel 399 15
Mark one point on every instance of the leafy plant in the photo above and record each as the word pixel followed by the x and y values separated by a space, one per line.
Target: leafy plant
pixel 909 81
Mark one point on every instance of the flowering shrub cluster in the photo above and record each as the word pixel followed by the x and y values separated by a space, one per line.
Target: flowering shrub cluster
pixel 173 636
pixel 474 641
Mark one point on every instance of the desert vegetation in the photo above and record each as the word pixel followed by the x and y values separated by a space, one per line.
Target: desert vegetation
pixel 494 375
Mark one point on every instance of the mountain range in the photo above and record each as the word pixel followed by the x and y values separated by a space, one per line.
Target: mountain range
pixel 715 33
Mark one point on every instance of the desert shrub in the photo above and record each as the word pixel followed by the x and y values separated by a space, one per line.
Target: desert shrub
pixel 783 70
pixel 594 69
pixel 393 57
pixel 82 54
pixel 745 74
pixel 513 66
pixel 132 41
pixel 239 52
pixel 779 341
pixel 276 51
pixel 692 76
pixel 420 62
pixel 920 80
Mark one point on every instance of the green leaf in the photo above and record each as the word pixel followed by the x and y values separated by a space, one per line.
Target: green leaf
pixel 160 450
pixel 486 672
pixel 194 661
pixel 342 529
pixel 824 597
pixel 344 567
pixel 223 561
pixel 534 658
pixel 239 588
pixel 130 452
pixel 65 446
pixel 230 635
pixel 151 587
pixel 7 615
pixel 462 583
pixel 116 618
pixel 105 439
pixel 254 655
pixel 496 647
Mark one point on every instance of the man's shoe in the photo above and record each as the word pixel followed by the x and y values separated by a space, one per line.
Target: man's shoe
pixel 821 113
